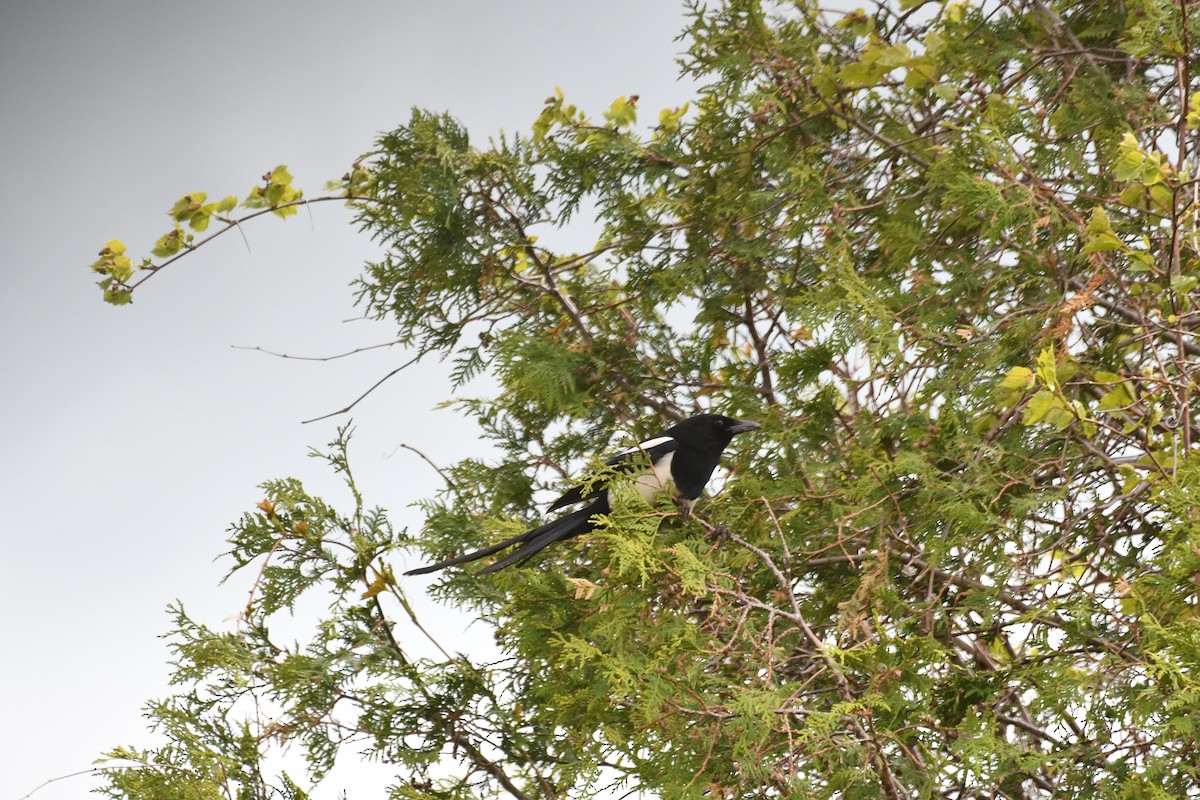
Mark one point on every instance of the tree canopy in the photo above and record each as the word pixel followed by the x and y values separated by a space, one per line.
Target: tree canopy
pixel 946 253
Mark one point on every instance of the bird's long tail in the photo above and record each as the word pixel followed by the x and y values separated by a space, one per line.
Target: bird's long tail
pixel 530 542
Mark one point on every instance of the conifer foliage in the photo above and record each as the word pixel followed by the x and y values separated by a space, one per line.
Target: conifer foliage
pixel 946 253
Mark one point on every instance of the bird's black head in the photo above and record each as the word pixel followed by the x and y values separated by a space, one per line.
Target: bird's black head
pixel 710 430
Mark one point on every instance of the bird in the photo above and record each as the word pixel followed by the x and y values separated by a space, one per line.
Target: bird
pixel 681 458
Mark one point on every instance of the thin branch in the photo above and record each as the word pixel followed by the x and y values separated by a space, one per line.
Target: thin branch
pixel 429 461
pixel 377 384
pixel 891 786
pixel 91 771
pixel 764 355
pixel 318 358
pixel 488 766
pixel 230 224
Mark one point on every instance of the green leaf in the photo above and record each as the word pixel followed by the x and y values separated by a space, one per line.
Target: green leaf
pixel 1102 242
pixel 187 205
pixel 255 199
pixel 1133 195
pixel 113 261
pixel 1116 398
pixel 922 71
pixel 622 112
pixel 945 92
pixel 1098 222
pixel 1047 368
pixel 1140 261
pixel 1038 406
pixel 1129 160
pixel 935 43
pixel 669 119
pixel 1161 197
pixel 876 61
pixel 1130 478
pixel 860 74
pixel 892 56
pixel 857 22
pixel 199 221
pixel 121 268
pixel 1183 284
pixel 119 296
pixel 1062 414
pixel 1017 378
pixel 169 243
pixel 1153 171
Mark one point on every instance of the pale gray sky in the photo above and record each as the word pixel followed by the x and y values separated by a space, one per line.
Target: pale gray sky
pixel 132 437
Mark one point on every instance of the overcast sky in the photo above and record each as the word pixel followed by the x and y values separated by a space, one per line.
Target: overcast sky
pixel 133 436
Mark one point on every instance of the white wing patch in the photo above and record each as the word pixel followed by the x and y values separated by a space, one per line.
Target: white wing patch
pixel 659 476
pixel 646 445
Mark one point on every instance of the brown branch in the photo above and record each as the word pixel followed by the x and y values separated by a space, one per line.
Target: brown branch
pixel 1048 15
pixel 377 384
pixel 892 788
pixel 487 765
pixel 318 358
pixel 912 555
pixel 154 269
pixel 549 286
pixel 429 461
pixel 1183 70
pixel 1130 315
pixel 764 355
pixel 455 735
pixel 90 771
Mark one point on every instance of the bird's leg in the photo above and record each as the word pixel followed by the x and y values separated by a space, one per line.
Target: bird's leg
pixel 685 505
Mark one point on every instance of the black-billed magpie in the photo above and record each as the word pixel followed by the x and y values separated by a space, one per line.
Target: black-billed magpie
pixel 684 457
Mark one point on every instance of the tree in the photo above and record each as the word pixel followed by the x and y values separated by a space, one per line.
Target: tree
pixel 947 254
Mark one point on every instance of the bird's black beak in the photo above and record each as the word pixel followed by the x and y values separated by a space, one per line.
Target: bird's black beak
pixel 741 426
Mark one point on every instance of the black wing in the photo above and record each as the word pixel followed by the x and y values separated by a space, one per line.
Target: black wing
pixel 629 460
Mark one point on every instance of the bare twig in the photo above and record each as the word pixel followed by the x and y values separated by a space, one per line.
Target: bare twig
pixel 376 385
pixel 356 350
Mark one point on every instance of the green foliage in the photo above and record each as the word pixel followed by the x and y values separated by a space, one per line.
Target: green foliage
pixel 948 258
pixel 275 196
pixel 276 193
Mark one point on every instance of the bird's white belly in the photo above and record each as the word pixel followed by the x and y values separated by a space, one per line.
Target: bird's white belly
pixel 656 480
